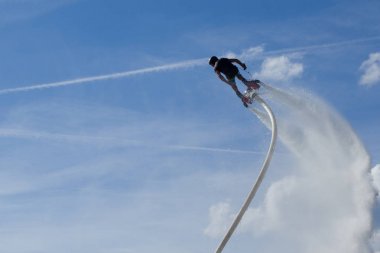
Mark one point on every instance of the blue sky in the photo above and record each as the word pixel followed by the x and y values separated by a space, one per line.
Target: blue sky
pixel 133 164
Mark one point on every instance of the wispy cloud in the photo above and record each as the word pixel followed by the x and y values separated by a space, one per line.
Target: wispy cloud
pixel 112 175
pixel 371 69
pixel 113 141
pixel 38 129
pixel 16 10
pixel 251 53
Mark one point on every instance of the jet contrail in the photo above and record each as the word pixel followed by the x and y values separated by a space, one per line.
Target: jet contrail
pixel 166 67
pixel 321 46
pixel 178 65
pixel 27 134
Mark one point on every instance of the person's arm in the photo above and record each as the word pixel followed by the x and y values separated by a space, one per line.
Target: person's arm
pixel 239 62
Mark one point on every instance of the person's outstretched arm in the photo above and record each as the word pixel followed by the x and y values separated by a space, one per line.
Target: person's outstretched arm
pixel 240 63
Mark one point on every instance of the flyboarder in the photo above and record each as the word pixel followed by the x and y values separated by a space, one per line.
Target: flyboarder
pixel 226 67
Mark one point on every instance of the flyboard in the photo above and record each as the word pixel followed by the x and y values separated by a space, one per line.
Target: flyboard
pixel 252 95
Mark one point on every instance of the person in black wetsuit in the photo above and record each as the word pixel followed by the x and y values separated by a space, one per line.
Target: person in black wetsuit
pixel 226 67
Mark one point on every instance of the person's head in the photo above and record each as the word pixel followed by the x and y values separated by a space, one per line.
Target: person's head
pixel 213 60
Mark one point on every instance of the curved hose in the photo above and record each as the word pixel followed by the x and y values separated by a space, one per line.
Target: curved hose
pixel 260 178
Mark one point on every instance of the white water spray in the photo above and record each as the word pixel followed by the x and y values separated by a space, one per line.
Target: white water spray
pixel 326 204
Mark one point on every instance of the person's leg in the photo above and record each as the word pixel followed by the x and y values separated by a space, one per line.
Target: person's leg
pixel 242 79
pixel 250 84
pixel 234 86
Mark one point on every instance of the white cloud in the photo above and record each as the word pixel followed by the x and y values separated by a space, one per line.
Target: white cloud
pixel 371 69
pixel 375 172
pixel 220 217
pixel 280 68
pixel 376 241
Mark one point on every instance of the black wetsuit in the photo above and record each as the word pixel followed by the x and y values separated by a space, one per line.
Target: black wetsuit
pixel 225 66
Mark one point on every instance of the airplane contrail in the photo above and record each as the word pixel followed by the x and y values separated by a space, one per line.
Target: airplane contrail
pixel 166 67
pixel 321 46
pixel 28 134
pixel 178 65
